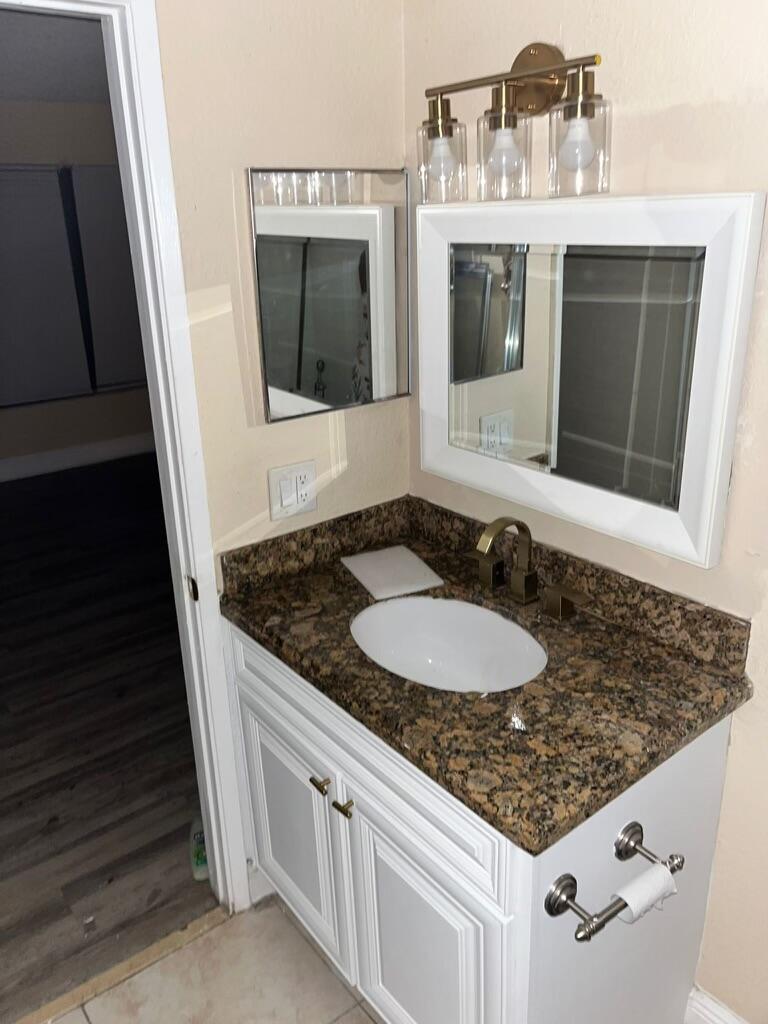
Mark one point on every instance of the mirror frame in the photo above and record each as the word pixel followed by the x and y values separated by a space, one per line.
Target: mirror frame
pixel 730 228
pixel 353 220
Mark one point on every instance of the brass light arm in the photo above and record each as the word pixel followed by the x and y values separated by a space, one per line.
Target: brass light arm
pixel 548 71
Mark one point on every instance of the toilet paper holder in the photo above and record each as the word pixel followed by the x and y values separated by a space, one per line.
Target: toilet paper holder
pixel 562 893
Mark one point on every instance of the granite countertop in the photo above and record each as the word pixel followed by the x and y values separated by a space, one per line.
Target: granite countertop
pixel 533 762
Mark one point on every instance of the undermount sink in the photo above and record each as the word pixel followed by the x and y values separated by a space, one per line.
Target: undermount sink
pixel 448 645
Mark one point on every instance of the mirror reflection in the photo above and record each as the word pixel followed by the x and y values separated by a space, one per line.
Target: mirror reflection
pixel 487 310
pixel 583 367
pixel 331 277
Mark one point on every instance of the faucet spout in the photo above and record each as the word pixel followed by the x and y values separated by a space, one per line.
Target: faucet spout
pixel 523 580
pixel 496 528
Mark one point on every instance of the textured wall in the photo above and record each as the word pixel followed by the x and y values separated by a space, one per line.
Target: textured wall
pixel 680 126
pixel 274 84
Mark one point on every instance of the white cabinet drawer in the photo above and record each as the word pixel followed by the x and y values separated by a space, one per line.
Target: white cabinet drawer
pixel 477 853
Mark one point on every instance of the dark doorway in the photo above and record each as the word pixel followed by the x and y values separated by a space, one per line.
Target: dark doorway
pixel 98 789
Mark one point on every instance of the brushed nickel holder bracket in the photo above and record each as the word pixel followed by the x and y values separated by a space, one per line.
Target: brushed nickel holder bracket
pixel 538 74
pixel 563 891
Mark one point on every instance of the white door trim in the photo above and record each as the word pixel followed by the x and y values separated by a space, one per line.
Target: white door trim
pixel 138 110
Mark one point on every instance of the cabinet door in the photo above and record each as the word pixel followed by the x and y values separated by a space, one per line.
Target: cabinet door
pixel 296 839
pixel 427 953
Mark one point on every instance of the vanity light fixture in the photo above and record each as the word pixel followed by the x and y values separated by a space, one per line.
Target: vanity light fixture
pixel 503 148
pixel 535 85
pixel 579 138
pixel 442 154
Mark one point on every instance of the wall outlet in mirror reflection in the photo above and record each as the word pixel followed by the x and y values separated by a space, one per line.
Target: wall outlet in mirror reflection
pixel 332 291
pixel 496 431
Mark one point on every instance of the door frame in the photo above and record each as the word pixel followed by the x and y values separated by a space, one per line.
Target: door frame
pixel 132 49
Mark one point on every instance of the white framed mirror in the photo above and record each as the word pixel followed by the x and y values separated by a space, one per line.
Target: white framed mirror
pixel 331 262
pixel 584 357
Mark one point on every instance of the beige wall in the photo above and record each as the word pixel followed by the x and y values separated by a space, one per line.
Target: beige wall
pixel 33 132
pixel 274 84
pixel 73 422
pixel 65 133
pixel 679 126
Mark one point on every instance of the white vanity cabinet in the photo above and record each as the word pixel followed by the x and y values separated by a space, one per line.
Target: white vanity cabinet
pixel 435 916
pixel 429 951
pixel 297 838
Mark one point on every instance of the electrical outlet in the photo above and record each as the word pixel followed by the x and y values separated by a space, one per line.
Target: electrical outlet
pixel 496 430
pixel 292 490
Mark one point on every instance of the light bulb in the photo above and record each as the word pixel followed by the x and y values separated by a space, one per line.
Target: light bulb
pixel 504 150
pixel 577 150
pixel 442 162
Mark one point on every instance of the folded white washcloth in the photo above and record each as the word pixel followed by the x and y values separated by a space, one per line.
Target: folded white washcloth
pixel 392 572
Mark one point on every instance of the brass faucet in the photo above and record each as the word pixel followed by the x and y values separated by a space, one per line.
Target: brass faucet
pixel 523 580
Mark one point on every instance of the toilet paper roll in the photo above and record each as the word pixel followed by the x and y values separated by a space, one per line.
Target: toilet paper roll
pixel 645 892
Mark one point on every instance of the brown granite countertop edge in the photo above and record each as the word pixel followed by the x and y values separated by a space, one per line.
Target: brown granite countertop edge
pixel 740 691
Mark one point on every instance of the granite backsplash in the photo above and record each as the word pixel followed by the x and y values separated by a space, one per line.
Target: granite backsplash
pixel 694 630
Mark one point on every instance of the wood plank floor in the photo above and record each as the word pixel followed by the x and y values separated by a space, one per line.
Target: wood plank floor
pixel 97 776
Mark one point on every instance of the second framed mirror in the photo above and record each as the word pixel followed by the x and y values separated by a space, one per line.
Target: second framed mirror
pixel 331 262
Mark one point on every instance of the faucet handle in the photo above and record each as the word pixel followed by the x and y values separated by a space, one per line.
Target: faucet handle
pixel 560 602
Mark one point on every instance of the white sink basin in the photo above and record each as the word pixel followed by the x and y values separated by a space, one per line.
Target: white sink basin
pixel 448 645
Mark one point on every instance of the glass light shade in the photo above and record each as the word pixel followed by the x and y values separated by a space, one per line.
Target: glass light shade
pixel 503 158
pixel 285 188
pixel 579 150
pixel 338 188
pixel 443 163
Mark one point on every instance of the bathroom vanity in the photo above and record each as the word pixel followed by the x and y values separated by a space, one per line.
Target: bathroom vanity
pixel 416 833
pixel 459 846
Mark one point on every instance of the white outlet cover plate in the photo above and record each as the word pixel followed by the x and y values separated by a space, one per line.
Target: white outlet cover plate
pixel 292 490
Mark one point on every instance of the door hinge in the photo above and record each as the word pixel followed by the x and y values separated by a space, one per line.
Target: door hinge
pixel 194 593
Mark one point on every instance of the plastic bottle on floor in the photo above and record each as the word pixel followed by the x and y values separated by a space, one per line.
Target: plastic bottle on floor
pixel 197 854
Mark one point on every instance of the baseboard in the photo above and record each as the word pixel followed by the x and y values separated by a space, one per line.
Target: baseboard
pixel 705 1009
pixel 19 466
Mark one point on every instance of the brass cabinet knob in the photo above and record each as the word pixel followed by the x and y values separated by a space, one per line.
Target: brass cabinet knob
pixel 321 785
pixel 345 809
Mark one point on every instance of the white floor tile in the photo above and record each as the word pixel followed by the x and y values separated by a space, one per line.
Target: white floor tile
pixel 73 1017
pixel 254 968
pixel 356 1016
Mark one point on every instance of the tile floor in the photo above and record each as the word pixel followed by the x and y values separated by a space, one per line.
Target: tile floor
pixel 256 968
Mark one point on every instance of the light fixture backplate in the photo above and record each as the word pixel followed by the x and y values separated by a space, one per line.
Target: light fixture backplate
pixel 538 96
